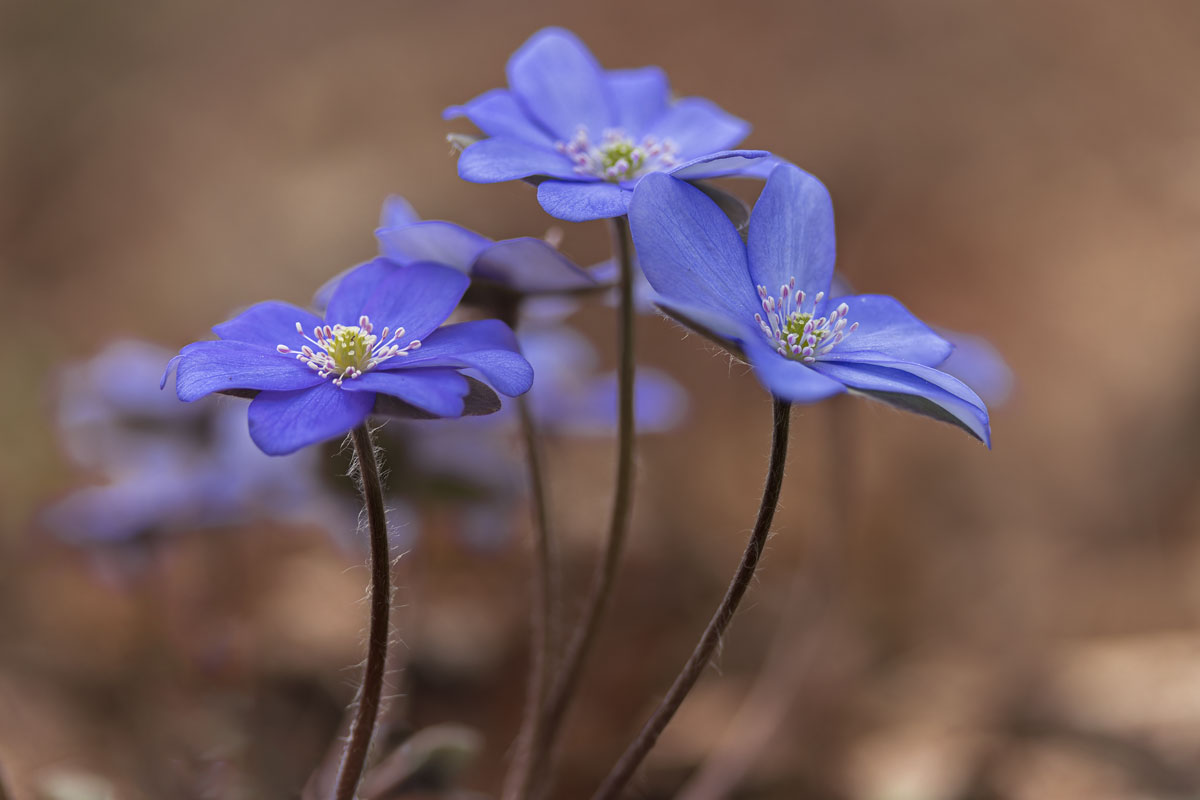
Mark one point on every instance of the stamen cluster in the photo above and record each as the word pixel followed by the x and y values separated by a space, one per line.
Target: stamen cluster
pixel 617 157
pixel 347 351
pixel 798 334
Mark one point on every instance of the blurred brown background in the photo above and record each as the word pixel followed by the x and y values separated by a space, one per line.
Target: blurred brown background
pixel 1018 623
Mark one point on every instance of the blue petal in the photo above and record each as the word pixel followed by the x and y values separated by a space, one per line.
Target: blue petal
pixel 207 367
pixel 497 113
pixel 397 211
pixel 888 329
pixel 559 82
pixel 504 159
pixel 978 364
pixel 529 265
pixel 763 167
pixel 717 325
pixel 433 240
pixel 699 126
pixel 639 96
pixel 579 202
pixel 791 233
pixel 487 345
pixel 719 164
pixel 785 378
pixel 418 297
pixel 351 290
pixel 893 381
pixel 283 422
pixel 267 324
pixel 438 391
pixel 689 250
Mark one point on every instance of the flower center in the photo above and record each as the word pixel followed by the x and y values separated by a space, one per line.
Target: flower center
pixel 617 157
pixel 347 351
pixel 799 334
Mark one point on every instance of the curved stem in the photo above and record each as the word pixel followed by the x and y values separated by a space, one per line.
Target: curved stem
pixel 370 693
pixel 516 782
pixel 808 620
pixel 637 750
pixel 580 644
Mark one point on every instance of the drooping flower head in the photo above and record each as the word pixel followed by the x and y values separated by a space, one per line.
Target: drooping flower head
pixel 588 135
pixel 379 348
pixel 503 273
pixel 768 299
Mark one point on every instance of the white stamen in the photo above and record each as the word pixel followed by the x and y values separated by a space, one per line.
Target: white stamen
pixel 341 352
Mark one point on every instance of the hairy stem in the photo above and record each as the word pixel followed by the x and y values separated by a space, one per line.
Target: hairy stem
pixel 516 782
pixel 584 635
pixel 370 693
pixel 637 750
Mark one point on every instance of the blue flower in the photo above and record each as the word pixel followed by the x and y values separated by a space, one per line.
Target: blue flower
pixel 501 272
pixel 379 343
pixel 169 466
pixel 588 135
pixel 767 299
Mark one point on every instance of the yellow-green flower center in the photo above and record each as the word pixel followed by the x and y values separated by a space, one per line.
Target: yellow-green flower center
pixel 618 157
pixel 350 348
pixel 347 351
pixel 798 334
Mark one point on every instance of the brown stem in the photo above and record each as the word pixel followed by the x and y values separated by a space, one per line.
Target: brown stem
pixel 516 782
pixel 370 693
pixel 809 616
pixel 637 750
pixel 580 645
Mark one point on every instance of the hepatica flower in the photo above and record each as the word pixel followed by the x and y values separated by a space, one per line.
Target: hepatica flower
pixel 768 299
pixel 519 267
pixel 379 342
pixel 502 272
pixel 588 135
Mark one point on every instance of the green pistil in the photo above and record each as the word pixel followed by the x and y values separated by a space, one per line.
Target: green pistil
pixel 796 322
pixel 623 150
pixel 351 347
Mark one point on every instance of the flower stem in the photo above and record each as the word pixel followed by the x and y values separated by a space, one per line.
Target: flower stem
pixel 516 782
pixel 370 693
pixel 637 750
pixel 806 631
pixel 583 637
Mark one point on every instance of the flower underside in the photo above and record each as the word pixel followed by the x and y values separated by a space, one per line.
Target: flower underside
pixel 617 157
pixel 347 351
pixel 798 334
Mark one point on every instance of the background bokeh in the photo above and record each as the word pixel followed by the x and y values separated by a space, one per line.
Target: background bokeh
pixel 932 621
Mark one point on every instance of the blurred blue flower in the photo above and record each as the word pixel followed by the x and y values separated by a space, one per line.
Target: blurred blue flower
pixel 569 398
pixel 588 135
pixel 168 466
pixel 766 299
pixel 312 388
